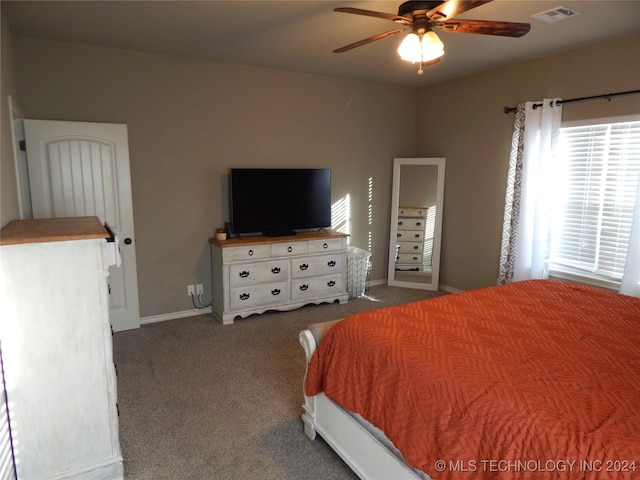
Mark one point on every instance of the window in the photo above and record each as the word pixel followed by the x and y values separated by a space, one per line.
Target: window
pixel 597 179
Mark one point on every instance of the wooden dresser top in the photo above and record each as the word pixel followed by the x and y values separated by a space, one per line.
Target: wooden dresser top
pixel 52 230
pixel 260 239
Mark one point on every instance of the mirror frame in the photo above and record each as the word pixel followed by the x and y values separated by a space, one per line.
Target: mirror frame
pixel 437 234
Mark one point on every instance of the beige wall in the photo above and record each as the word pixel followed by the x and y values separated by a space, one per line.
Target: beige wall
pixel 463 120
pixel 189 121
pixel 9 207
pixel 418 186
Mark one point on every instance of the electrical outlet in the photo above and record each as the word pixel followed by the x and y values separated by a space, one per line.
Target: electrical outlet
pixel 199 289
pixel 191 290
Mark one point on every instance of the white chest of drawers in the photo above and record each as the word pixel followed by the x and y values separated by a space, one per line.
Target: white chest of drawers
pixel 57 350
pixel 411 237
pixel 256 274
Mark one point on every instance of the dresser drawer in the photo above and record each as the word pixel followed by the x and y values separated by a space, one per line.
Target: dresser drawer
pixel 412 212
pixel 410 247
pixel 409 258
pixel 410 235
pixel 328 245
pixel 317 265
pixel 316 287
pixel 250 296
pixel 262 272
pixel 411 223
pixel 288 249
pixel 250 252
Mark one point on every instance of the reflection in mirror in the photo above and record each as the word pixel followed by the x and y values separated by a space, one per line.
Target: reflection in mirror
pixel 416 222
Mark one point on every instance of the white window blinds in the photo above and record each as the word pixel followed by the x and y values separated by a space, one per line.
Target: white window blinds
pixel 597 181
pixel 7 467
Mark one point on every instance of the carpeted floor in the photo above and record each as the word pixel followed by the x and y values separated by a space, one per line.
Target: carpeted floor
pixel 203 401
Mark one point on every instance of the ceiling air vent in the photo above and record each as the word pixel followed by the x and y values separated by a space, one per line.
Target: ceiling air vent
pixel 556 14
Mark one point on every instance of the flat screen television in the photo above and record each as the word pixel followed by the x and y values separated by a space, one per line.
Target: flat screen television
pixel 279 201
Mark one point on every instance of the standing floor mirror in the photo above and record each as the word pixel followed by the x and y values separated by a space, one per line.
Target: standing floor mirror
pixel 416 222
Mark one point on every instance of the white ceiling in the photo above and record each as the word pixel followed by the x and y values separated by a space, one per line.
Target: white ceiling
pixel 300 36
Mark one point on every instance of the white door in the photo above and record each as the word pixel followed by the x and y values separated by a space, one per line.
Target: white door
pixel 20 158
pixel 82 169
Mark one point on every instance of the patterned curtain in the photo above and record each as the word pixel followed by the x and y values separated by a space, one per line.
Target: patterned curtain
pixel 512 200
pixel 524 247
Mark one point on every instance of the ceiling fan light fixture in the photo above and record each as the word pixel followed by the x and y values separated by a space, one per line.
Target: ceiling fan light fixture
pixel 410 49
pixel 421 48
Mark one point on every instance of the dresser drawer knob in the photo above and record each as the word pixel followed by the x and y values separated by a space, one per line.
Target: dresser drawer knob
pixel 304 266
pixel 399 235
pixel 244 296
pixel 417 235
pixel 250 253
pixel 304 287
pixel 325 246
pixel 243 274
pixel 331 283
pixel 400 222
pixel 289 249
pixel 275 291
pixel 275 270
pixel 331 263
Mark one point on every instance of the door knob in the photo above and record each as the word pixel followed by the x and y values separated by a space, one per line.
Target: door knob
pixel 127 241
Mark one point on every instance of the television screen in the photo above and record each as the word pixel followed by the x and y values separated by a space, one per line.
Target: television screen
pixel 278 201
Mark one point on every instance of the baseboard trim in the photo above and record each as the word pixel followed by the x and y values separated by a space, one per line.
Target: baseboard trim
pixel 174 316
pixel 444 288
pixel 448 289
pixel 203 311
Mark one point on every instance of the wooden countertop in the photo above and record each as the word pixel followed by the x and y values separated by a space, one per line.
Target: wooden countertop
pixel 260 239
pixel 52 230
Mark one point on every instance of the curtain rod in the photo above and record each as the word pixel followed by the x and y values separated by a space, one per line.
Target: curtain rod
pixel 559 102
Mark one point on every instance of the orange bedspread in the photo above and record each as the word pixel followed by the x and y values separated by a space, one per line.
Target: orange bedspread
pixel 537 379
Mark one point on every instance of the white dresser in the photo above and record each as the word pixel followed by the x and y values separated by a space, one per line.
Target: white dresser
pixel 256 274
pixel 57 349
pixel 410 240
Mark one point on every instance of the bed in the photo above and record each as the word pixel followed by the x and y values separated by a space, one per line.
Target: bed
pixel 536 379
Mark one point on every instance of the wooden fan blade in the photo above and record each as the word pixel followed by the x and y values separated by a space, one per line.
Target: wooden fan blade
pixel 371 13
pixel 431 62
pixel 453 8
pixel 485 27
pixel 368 40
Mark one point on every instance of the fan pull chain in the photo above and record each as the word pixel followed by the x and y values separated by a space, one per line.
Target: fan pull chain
pixel 420 71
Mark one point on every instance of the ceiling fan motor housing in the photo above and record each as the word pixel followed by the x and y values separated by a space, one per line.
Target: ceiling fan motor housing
pixel 408 8
pixel 416 13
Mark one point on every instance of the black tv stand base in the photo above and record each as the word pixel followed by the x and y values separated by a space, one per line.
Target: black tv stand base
pixel 279 233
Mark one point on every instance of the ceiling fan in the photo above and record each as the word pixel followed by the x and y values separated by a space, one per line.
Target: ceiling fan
pixel 423 17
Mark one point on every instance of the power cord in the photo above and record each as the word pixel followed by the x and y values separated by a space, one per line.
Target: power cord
pixel 193 301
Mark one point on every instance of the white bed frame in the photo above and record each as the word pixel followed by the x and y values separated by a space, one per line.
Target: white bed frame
pixel 367 456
